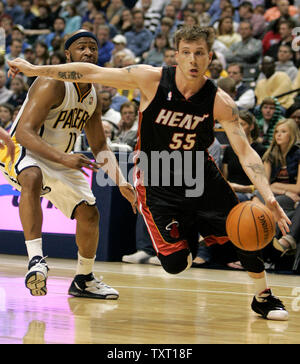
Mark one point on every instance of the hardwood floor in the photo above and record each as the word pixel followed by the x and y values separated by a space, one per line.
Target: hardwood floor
pixel 197 306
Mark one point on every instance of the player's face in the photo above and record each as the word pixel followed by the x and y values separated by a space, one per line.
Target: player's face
pixel 83 50
pixel 193 58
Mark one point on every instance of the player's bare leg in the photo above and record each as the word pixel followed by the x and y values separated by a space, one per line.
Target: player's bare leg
pixel 31 218
pixel 87 237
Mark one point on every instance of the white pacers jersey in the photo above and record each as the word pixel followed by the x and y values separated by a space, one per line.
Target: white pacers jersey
pixel 66 188
pixel 65 123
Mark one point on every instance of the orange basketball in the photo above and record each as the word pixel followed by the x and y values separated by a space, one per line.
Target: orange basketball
pixel 250 226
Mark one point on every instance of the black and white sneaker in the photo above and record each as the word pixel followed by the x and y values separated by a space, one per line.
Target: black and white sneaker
pixel 269 307
pixel 89 287
pixel 36 277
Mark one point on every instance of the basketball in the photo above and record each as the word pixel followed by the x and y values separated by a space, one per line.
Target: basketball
pixel 250 226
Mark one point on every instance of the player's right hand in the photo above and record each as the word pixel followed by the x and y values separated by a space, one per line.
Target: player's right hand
pixel 20 65
pixel 79 161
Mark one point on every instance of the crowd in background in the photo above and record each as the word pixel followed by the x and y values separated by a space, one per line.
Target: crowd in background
pixel 256 59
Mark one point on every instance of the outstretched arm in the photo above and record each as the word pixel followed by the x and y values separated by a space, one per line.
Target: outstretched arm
pixel 226 112
pixel 136 76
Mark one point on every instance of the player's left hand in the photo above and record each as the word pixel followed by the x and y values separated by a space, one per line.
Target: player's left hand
pixel 280 217
pixel 128 191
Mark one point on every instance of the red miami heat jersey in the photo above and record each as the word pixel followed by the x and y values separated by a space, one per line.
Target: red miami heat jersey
pixel 172 123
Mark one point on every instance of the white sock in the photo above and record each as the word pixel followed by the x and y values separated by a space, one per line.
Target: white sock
pixel 84 265
pixel 34 247
pixel 260 285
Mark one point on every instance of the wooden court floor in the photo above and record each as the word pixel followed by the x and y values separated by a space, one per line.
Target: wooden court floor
pixel 196 307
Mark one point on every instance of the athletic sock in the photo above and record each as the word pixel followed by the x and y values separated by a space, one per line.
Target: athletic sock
pixel 84 265
pixel 260 286
pixel 34 247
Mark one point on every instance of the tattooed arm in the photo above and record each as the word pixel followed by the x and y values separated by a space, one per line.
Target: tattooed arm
pixel 143 77
pixel 227 114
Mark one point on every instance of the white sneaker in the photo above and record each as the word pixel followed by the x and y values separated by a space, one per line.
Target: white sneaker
pixel 36 277
pixel 154 260
pixel 89 287
pixel 140 257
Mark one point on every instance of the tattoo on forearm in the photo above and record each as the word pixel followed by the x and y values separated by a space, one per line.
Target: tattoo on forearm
pixel 130 67
pixel 258 170
pixel 235 113
pixel 71 75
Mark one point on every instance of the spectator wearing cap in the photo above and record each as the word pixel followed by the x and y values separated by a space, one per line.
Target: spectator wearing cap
pixel 18 33
pixel 105 45
pixel 257 21
pixel 120 43
pixel 139 39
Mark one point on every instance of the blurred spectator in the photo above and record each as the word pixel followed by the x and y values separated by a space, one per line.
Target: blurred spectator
pixel 151 16
pixel 215 71
pixel 73 20
pixel 15 51
pixel 19 88
pixel 6 116
pixel 117 99
pixel 132 94
pixel 169 57
pixel 41 24
pixel 217 7
pixel 228 10
pixel 201 13
pixel 285 63
pixel 99 20
pixel 105 45
pixel 232 169
pixel 282 8
pixel 41 53
pixel 286 37
pixel 226 34
pixel 165 28
pixel 109 114
pixel 57 58
pixel 18 33
pixel 114 11
pixel 248 51
pixel 139 39
pixel 293 112
pixel 271 36
pixel 117 59
pixel 13 9
pixel 59 26
pixel 257 21
pixel 155 56
pixel 81 6
pixel 275 84
pixel 126 21
pixel 228 85
pixel 120 43
pixel 108 131
pixel 170 12
pixel 56 9
pixel 26 17
pixel 244 97
pixel 268 115
pixel 128 125
pixel 7 25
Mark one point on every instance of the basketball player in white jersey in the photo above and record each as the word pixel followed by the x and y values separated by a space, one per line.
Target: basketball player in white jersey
pixel 44 132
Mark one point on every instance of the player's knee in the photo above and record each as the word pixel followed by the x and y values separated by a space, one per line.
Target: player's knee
pixel 252 261
pixel 31 180
pixel 87 214
pixel 176 262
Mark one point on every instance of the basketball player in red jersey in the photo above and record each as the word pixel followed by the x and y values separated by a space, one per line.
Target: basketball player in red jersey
pixel 44 132
pixel 178 108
